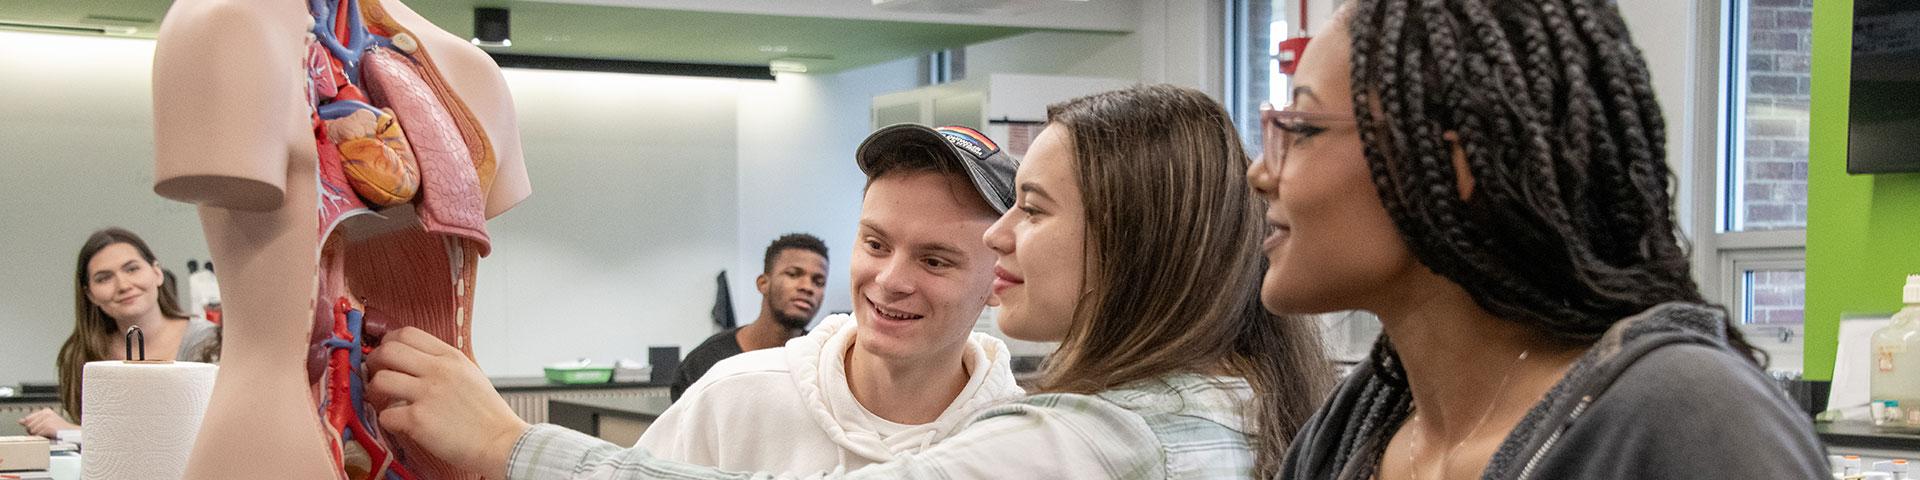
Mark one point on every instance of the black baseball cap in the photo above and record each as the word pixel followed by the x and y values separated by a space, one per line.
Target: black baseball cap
pixel 989 168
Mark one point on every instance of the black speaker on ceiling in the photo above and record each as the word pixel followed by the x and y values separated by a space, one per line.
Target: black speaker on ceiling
pixel 491 27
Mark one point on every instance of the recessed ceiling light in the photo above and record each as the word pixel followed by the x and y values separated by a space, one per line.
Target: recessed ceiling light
pixel 491 27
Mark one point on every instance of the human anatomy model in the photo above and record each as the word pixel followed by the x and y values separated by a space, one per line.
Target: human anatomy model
pixel 345 155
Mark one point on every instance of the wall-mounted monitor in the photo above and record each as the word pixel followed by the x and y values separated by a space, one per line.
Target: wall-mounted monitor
pixel 1883 128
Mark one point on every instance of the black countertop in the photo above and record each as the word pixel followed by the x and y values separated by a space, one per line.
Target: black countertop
pixel 503 384
pixel 31 398
pixel 521 384
pixel 1863 435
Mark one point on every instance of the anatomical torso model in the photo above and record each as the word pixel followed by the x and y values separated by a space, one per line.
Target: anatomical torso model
pixel 345 155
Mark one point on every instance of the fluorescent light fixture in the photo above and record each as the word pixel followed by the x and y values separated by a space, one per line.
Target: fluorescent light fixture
pixel 68 28
pixel 543 62
pixel 786 66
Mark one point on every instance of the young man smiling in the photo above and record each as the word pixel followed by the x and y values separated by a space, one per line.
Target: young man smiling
pixel 906 369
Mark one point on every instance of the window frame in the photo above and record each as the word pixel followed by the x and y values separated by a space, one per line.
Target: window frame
pixel 1722 254
pixel 1235 90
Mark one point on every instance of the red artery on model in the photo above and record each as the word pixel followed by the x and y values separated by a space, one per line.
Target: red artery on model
pixel 346 387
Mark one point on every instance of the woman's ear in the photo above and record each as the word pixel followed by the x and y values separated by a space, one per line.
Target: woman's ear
pixel 1463 178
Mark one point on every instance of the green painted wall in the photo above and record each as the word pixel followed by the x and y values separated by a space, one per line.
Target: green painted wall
pixel 1863 231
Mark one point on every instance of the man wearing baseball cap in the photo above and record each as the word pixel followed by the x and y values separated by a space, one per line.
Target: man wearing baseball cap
pixel 905 368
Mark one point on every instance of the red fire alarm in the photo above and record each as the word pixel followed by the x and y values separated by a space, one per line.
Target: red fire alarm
pixel 1289 52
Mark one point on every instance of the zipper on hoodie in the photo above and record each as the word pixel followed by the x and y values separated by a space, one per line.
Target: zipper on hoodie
pixel 1527 471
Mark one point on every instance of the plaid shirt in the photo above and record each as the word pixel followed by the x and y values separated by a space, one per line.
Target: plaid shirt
pixel 1174 427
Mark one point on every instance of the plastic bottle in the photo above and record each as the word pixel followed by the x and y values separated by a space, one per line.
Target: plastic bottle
pixel 1895 372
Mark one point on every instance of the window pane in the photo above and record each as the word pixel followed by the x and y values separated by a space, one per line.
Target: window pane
pixel 1767 178
pixel 1773 308
pixel 1774 297
pixel 1257 28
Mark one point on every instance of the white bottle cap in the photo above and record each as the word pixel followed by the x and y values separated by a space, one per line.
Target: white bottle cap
pixel 1911 294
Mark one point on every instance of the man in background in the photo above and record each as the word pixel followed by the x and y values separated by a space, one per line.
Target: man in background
pixel 792 283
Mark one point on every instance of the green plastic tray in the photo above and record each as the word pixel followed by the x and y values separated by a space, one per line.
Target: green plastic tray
pixel 579 375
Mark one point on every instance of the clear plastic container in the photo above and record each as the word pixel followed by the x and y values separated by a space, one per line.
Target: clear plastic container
pixel 1895 372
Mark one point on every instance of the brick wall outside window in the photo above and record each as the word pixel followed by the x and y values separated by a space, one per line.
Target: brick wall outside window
pixel 1774 146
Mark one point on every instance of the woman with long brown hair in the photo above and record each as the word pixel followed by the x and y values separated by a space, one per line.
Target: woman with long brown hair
pixel 1134 242
pixel 118 284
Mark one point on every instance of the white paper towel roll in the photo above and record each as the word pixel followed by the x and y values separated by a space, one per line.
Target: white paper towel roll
pixel 140 418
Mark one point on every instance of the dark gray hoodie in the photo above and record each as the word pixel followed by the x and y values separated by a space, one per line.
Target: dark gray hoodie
pixel 1660 396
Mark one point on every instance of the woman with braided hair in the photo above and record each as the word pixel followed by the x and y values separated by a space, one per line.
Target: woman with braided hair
pixel 1489 177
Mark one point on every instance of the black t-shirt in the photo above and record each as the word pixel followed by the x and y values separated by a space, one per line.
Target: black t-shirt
pixel 716 348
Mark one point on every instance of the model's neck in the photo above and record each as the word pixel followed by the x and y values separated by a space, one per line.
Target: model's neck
pixel 907 391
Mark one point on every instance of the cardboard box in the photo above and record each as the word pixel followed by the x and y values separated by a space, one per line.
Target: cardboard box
pixel 23 453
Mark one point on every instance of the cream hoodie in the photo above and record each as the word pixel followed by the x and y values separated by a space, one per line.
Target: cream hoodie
pixel 790 410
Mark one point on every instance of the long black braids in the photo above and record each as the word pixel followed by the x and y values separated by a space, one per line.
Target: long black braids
pixel 1570 225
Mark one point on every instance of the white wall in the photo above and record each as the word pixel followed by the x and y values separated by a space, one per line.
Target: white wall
pixel 633 209
pixel 1669 34
pixel 1681 41
pixel 76 155
pixel 797 174
pixel 632 213
pixel 1078 54
pixel 1183 42
pixel 1176 41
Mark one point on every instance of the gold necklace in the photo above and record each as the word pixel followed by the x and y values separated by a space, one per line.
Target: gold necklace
pixel 1413 470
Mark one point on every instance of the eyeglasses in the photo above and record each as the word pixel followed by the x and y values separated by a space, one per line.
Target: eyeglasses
pixel 1279 129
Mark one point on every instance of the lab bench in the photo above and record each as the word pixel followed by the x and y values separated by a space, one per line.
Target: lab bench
pixel 617 420
pixel 1860 438
pixel 528 396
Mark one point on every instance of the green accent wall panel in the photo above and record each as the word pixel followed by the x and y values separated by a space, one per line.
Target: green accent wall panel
pixel 1863 231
